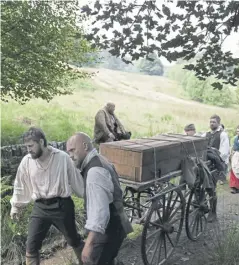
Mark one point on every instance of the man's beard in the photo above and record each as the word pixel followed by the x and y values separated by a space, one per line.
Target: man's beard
pixel 214 127
pixel 78 163
pixel 37 154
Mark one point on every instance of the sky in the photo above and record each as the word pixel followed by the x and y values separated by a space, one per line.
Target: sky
pixel 230 44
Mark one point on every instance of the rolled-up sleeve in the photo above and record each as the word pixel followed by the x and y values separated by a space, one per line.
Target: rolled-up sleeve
pixel 224 148
pixel 99 195
pixel 22 191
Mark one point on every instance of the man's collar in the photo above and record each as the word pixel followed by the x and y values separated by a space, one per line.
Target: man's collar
pixel 87 159
pixel 105 109
pixel 217 130
pixel 53 150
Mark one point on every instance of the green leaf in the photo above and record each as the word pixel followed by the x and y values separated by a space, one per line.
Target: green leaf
pixel 217 85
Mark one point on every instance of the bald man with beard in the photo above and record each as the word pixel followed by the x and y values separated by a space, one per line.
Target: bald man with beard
pixel 106 224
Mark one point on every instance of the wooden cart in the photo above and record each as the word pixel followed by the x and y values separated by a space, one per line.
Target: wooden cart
pixel 162 206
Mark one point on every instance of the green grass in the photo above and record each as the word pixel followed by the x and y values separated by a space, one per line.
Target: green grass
pixel 136 233
pixel 140 110
pixel 84 84
pixel 226 251
pixel 56 122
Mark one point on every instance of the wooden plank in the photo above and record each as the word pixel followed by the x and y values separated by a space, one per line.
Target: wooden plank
pixel 123 157
pixel 127 171
pixel 141 186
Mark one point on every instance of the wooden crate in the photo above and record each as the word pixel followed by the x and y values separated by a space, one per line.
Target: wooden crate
pixel 144 159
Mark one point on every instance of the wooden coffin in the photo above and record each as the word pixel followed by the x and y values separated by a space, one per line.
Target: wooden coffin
pixel 147 158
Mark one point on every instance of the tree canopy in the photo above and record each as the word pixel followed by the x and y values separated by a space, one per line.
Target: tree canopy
pixel 151 67
pixel 103 59
pixel 39 40
pixel 139 28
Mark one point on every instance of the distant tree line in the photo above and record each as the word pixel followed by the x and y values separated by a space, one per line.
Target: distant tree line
pixel 201 90
pixel 103 59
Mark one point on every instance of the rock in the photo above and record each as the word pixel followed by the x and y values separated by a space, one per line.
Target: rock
pixel 184 259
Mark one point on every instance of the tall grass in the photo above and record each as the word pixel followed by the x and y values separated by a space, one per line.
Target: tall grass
pixel 226 250
pixel 142 111
pixel 57 122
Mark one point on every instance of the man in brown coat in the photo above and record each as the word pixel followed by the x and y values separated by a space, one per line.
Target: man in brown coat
pixel 107 126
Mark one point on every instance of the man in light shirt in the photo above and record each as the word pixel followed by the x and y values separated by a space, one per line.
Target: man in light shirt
pixel 218 139
pixel 107 224
pixel 46 176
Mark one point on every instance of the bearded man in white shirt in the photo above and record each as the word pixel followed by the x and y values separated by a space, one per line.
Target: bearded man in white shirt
pixel 46 176
pixel 106 224
pixel 218 138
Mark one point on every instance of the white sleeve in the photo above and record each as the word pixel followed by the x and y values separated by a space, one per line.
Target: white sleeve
pixel 224 148
pixel 99 195
pixel 22 190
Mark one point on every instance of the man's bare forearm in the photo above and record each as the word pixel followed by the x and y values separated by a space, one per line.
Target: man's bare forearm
pixel 91 237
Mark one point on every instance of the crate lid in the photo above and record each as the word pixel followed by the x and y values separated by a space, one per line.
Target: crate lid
pixel 158 141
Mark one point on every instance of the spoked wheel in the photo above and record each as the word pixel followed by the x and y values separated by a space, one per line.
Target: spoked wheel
pixel 144 205
pixel 162 228
pixel 197 211
pixel 129 204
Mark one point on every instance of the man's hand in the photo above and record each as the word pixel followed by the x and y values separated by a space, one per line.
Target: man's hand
pixel 86 253
pixel 111 136
pixel 15 216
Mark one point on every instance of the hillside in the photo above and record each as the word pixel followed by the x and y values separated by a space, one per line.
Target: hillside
pixel 146 105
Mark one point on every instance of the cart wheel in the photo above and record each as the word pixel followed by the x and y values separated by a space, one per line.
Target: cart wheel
pixel 162 228
pixel 129 203
pixel 197 211
pixel 143 204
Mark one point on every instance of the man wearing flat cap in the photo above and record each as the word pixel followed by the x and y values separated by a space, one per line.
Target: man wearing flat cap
pixel 108 128
pixel 190 129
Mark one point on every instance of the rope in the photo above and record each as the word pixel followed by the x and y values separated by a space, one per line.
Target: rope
pixel 155 163
pixel 166 140
pixel 185 147
pixel 195 151
pixel 155 156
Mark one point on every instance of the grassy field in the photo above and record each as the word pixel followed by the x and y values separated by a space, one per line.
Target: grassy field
pixel 146 105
